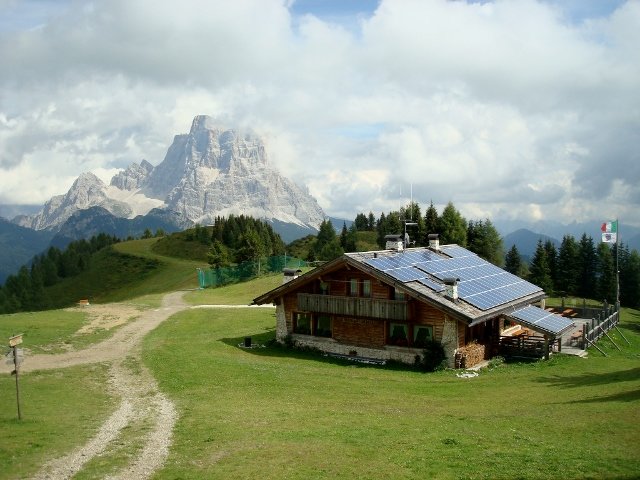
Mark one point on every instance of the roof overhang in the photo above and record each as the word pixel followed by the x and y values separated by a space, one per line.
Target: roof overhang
pixel 272 295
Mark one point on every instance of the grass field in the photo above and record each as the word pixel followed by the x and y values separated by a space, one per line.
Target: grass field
pixel 235 294
pixel 273 413
pixel 268 413
pixel 60 410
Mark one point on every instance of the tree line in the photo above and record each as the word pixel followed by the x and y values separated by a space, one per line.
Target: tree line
pixel 25 291
pixel 239 238
pixel 580 268
pixel 577 268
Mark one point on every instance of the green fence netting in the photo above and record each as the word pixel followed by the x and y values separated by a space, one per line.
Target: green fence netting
pixel 214 277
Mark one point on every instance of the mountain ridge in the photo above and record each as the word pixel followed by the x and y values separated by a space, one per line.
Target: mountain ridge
pixel 209 172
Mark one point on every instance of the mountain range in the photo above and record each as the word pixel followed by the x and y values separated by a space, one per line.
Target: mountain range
pixel 209 172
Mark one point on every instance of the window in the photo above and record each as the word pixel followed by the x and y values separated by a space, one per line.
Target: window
pixel 324 288
pixel 398 294
pixel 421 335
pixel 398 334
pixel 302 323
pixel 353 287
pixel 323 326
pixel 366 288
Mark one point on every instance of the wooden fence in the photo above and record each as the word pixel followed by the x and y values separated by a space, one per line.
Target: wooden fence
pixel 596 328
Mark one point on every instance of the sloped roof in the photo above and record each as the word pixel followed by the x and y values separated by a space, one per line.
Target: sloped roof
pixel 485 291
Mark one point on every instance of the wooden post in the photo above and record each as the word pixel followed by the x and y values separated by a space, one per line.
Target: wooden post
pixel 546 347
pixel 15 364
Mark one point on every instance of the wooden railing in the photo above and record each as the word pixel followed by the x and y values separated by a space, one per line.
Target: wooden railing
pixel 527 346
pixel 354 306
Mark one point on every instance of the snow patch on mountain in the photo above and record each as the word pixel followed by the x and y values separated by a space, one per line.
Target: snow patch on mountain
pixel 138 202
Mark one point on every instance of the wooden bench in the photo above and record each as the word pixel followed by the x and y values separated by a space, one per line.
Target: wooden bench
pixel 575 337
pixel 84 302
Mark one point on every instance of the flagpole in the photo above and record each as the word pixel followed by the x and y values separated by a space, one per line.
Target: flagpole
pixel 617 268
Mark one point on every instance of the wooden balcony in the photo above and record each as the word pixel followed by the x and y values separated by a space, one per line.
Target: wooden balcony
pixel 354 306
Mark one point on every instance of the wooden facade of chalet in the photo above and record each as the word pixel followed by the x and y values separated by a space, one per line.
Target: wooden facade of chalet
pixel 346 311
pixel 348 307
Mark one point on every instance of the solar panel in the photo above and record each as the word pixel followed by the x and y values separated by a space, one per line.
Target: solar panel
pixel 539 318
pixel 456 251
pixel 408 274
pixel 431 284
pixel 498 294
pixel 482 284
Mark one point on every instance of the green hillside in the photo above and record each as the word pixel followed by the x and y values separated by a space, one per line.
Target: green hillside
pixel 124 271
pixel 275 413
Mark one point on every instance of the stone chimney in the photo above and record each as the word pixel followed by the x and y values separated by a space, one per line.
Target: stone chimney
pixel 451 288
pixel 434 241
pixel 394 242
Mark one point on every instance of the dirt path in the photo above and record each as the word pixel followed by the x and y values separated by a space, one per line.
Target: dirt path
pixel 140 399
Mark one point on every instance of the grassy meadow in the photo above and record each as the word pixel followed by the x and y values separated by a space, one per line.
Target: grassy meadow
pixel 273 413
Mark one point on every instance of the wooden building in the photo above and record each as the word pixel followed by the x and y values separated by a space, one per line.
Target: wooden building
pixel 386 304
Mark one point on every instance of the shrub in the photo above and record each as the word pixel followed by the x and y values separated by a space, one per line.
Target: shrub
pixel 433 357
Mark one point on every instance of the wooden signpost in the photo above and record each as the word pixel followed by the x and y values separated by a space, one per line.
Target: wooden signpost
pixel 13 343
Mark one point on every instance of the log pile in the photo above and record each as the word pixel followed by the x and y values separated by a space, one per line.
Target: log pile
pixel 470 355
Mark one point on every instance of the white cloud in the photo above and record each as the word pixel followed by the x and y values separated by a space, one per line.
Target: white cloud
pixel 505 108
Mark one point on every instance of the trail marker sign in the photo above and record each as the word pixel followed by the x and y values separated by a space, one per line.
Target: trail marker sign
pixel 17 360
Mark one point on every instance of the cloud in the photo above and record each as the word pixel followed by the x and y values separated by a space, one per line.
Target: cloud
pixel 515 109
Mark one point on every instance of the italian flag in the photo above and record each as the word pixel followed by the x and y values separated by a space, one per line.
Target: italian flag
pixel 609 232
pixel 610 227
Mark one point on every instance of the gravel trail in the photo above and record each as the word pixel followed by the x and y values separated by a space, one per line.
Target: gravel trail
pixel 140 399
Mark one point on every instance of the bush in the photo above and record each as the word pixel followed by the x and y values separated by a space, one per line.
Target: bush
pixel 433 357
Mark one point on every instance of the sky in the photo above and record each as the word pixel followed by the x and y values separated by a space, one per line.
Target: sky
pixel 513 110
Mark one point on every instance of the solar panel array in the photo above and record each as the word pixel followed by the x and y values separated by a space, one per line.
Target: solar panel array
pixel 480 283
pixel 542 319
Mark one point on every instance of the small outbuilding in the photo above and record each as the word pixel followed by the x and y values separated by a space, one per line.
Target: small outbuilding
pixel 387 304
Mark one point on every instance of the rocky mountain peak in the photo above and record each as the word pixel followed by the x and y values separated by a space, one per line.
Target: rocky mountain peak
pixel 210 171
pixel 133 177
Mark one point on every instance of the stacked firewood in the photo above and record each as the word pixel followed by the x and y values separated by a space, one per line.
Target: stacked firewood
pixel 470 355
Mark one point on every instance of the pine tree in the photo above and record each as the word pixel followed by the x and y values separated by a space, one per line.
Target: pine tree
pixel 352 236
pixel 343 235
pixel 539 272
pixel 484 240
pixel 327 245
pixel 568 268
pixel 552 261
pixel 513 261
pixel 629 263
pixel 371 222
pixel 361 222
pixel 587 273
pixel 452 226
pixel 430 222
pixel 218 255
pixel 607 277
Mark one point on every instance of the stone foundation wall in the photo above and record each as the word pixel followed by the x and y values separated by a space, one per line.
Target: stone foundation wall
pixel 329 345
